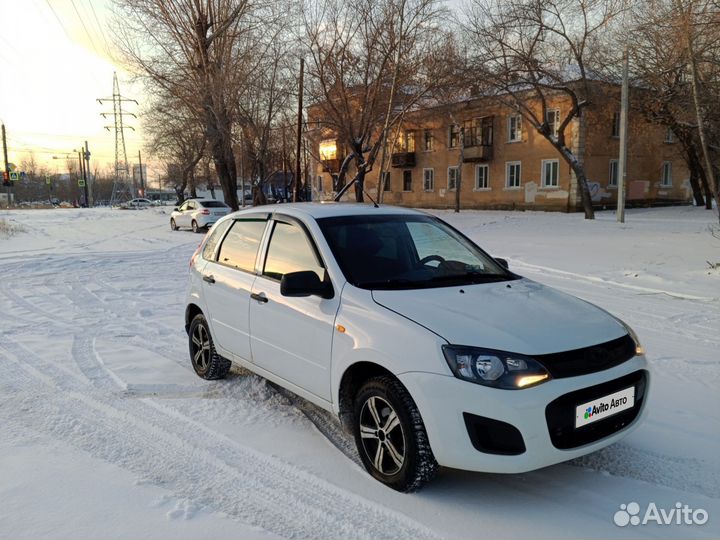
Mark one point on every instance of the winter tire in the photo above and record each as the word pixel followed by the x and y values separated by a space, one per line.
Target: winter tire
pixel 206 362
pixel 390 435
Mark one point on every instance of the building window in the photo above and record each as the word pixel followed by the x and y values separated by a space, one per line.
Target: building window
pixel 615 124
pixel 552 117
pixel 666 180
pixel 512 174
pixel 482 177
pixel 320 182
pixel 328 150
pixel 550 171
pixel 453 175
pixel 454 136
pixel 407 180
pixel 514 128
pixel 669 135
pixel 385 181
pixel 478 131
pixel 613 176
pixel 428 140
pixel 405 142
pixel 428 179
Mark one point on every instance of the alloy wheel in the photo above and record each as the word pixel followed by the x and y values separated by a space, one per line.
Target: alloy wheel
pixel 201 347
pixel 382 436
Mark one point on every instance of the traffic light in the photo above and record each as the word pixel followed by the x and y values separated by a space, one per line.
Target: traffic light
pixel 6 179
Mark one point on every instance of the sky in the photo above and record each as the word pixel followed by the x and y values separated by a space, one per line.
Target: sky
pixel 55 61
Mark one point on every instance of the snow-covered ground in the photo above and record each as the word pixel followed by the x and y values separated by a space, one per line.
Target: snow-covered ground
pixel 106 432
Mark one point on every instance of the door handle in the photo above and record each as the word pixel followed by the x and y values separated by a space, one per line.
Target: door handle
pixel 260 297
pixel 209 279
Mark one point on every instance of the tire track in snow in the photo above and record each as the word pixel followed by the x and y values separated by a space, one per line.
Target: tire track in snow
pixel 174 452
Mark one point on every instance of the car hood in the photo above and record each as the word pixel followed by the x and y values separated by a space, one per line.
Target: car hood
pixel 519 316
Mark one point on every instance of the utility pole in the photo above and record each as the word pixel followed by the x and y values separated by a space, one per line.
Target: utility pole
pixel 81 174
pixel 296 194
pixel 88 189
pixel 622 160
pixel 142 180
pixel 7 165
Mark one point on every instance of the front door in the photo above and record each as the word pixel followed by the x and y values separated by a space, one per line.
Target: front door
pixel 292 337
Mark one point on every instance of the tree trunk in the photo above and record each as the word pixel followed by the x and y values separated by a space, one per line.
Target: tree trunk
pixel 579 171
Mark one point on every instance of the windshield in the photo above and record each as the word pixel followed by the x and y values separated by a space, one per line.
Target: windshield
pixel 406 252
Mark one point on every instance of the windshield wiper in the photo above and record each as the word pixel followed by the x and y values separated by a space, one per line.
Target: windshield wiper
pixel 473 277
pixel 400 283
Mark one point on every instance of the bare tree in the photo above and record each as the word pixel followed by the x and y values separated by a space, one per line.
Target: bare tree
pixel 369 62
pixel 528 52
pixel 176 136
pixel 197 51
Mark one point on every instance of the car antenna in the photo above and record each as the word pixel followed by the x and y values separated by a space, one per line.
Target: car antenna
pixel 376 205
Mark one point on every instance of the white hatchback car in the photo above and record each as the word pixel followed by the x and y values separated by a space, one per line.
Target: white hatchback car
pixel 197 214
pixel 430 351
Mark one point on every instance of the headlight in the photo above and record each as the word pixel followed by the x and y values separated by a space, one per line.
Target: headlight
pixel 639 349
pixel 494 368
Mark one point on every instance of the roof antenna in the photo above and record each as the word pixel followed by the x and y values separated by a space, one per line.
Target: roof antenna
pixel 369 197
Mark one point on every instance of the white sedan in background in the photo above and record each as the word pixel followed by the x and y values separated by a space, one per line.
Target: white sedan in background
pixel 138 203
pixel 198 214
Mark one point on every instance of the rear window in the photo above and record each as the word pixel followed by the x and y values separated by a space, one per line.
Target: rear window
pixel 214 204
pixel 240 247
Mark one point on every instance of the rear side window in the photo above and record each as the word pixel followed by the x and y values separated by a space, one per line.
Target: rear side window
pixel 240 247
pixel 215 236
pixel 214 204
pixel 290 250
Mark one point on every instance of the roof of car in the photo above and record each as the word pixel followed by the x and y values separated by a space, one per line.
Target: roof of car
pixel 319 210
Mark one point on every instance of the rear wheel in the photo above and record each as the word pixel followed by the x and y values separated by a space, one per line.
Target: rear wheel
pixel 390 435
pixel 206 362
pixel 173 225
pixel 195 227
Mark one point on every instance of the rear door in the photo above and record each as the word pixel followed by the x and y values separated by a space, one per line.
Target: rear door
pixel 227 283
pixel 292 337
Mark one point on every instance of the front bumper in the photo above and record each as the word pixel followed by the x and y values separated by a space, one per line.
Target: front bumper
pixel 442 401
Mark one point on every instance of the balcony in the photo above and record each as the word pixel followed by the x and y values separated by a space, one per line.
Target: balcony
pixel 403 160
pixel 478 153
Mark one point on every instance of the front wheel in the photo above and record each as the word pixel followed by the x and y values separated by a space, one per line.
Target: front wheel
pixel 206 362
pixel 390 435
pixel 173 225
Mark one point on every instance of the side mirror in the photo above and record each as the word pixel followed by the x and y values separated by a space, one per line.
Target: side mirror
pixel 305 283
pixel 176 209
pixel 502 262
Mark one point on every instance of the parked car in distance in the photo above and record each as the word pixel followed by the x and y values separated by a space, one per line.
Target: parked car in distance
pixel 136 203
pixel 197 214
pixel 430 351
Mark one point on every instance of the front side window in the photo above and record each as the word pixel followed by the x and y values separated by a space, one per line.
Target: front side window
pixel 666 180
pixel 512 174
pixel 453 174
pixel 428 179
pixel 240 247
pixel 482 177
pixel 514 128
pixel 290 250
pixel 406 252
pixel 550 172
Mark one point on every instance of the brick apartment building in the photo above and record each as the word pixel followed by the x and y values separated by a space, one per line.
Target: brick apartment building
pixel 509 165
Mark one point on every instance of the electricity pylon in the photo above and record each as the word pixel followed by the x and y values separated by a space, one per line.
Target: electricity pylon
pixel 122 190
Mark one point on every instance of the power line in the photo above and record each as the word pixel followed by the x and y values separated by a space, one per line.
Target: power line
pixel 100 26
pixel 82 21
pixel 58 20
